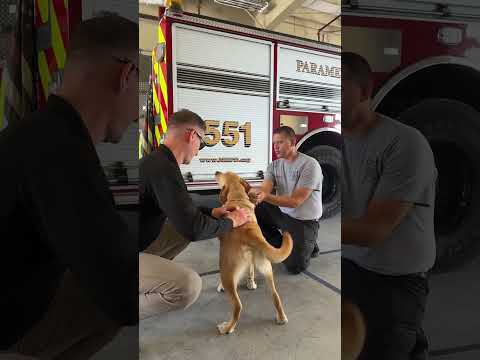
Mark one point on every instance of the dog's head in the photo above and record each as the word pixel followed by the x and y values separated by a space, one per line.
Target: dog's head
pixel 231 183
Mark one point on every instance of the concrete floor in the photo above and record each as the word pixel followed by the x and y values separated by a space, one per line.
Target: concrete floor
pixel 313 332
pixel 311 300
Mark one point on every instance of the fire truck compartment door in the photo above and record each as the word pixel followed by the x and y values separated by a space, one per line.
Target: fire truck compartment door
pixel 309 80
pixel 227 80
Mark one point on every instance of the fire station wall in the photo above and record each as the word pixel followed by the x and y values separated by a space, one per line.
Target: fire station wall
pixel 308 30
pixel 148 35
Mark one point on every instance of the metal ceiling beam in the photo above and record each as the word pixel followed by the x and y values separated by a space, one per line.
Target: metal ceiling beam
pixel 281 9
pixel 319 18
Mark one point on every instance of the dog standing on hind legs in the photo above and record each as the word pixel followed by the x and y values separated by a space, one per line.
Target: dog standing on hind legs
pixel 245 248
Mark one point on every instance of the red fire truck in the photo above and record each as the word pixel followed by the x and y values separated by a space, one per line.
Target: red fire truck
pixel 426 59
pixel 245 82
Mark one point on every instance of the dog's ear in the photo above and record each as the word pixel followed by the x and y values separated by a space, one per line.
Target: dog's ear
pixel 223 194
pixel 245 185
pixel 220 178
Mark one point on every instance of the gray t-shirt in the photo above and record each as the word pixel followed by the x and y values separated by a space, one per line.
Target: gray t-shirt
pixel 287 176
pixel 393 161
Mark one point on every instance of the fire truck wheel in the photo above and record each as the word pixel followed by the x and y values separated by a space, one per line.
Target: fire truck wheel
pixel 453 131
pixel 330 159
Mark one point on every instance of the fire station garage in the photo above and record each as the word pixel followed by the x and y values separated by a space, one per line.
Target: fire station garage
pixel 247 67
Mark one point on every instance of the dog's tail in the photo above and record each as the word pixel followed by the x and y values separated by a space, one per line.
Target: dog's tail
pixel 276 255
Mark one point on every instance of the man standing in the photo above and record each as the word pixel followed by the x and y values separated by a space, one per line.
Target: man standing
pixel 387 220
pixel 296 206
pixel 69 264
pixel 165 285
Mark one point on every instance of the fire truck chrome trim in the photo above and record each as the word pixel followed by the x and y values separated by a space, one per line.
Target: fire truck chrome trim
pixel 317 131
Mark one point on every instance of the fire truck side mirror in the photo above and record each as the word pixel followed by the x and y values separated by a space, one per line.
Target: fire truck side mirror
pixel 160 52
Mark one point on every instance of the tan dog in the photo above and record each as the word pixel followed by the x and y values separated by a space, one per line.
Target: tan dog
pixel 353 331
pixel 245 248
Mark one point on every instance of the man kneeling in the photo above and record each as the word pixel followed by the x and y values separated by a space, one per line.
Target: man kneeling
pixel 296 206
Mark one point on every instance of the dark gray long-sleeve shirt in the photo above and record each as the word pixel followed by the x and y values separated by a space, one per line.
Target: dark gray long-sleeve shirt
pixel 163 194
pixel 57 213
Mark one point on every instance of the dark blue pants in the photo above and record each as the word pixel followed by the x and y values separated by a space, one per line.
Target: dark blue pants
pixel 304 234
pixel 393 308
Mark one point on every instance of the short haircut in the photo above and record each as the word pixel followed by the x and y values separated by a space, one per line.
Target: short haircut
pixel 109 34
pixel 287 131
pixel 358 68
pixel 186 117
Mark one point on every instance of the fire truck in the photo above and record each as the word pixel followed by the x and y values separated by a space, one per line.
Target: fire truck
pixel 426 59
pixel 245 82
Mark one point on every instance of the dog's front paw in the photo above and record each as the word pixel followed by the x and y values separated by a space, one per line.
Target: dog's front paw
pixel 251 284
pixel 224 329
pixel 220 288
pixel 281 320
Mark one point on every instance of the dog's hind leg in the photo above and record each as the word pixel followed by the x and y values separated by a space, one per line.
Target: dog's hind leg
pixel 230 285
pixel 265 267
pixel 251 277
pixel 220 286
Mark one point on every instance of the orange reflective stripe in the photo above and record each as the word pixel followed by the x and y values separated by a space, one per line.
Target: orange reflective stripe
pixel 163 122
pixel 163 85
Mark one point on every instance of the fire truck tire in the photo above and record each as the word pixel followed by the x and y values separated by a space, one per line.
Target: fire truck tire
pixel 453 131
pixel 330 160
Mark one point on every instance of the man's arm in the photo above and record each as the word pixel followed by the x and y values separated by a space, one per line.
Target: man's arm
pixel 263 193
pixel 186 218
pixel 296 199
pixel 82 227
pixel 409 169
pixel 267 186
pixel 309 179
pixel 381 218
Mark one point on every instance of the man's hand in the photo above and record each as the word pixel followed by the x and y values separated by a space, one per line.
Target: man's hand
pixel 223 211
pixel 256 196
pixel 220 212
pixel 239 217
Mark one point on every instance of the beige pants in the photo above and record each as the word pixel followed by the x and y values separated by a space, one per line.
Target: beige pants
pixel 164 284
pixel 72 327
